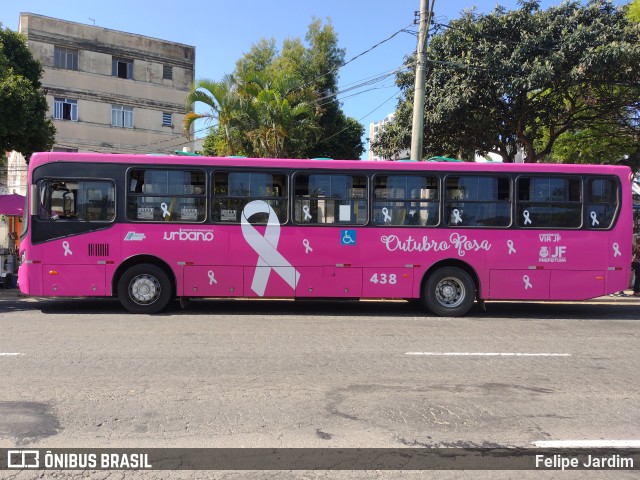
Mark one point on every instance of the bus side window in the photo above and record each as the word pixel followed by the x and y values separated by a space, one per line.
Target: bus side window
pixel 328 198
pixel 601 203
pixel 405 200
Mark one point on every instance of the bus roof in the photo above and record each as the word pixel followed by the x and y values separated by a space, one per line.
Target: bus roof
pixel 41 158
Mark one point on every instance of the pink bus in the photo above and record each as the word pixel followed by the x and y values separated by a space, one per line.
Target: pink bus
pixel 151 229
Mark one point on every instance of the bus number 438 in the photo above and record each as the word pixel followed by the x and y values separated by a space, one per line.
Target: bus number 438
pixel 383 278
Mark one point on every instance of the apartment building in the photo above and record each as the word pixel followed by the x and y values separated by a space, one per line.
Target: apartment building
pixel 111 91
pixel 374 130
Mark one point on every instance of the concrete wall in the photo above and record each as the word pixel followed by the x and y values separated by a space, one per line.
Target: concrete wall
pixel 96 90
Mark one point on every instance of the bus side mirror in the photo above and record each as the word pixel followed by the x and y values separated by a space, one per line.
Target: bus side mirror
pixel 34 202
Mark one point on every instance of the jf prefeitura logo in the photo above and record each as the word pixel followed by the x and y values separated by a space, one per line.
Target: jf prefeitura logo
pixel 553 254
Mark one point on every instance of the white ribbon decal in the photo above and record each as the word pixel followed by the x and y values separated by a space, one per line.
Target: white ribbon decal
pixel 212 279
pixel 307 247
pixel 67 251
pixel 387 217
pixel 527 220
pixel 594 219
pixel 510 245
pixel 266 248
pixel 307 215
pixel 616 250
pixel 165 210
pixel 456 216
pixel 527 283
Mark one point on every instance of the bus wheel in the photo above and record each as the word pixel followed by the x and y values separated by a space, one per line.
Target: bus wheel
pixel 449 292
pixel 144 288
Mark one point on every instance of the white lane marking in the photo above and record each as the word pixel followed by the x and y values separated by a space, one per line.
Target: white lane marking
pixel 9 354
pixel 487 354
pixel 587 443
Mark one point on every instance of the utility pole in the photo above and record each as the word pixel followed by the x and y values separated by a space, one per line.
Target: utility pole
pixel 417 131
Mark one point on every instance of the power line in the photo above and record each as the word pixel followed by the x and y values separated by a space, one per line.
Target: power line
pixel 361 118
pixel 351 87
pixel 402 30
pixel 354 86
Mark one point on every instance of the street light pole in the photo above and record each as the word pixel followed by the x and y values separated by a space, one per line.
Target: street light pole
pixel 417 130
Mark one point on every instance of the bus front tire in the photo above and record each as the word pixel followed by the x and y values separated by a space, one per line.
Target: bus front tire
pixel 144 288
pixel 449 292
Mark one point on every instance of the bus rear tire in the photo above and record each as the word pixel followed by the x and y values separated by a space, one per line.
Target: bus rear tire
pixel 144 288
pixel 449 292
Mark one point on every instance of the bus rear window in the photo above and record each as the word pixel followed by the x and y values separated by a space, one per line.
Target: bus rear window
pixel 601 203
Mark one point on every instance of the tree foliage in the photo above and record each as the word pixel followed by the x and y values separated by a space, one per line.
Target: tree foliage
pixel 634 11
pixel 524 79
pixel 23 123
pixel 280 103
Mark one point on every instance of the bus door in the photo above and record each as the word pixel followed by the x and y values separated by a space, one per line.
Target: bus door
pixel 74 258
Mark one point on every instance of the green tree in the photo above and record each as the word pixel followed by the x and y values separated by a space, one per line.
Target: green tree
pixel 341 137
pixel 267 116
pixel 634 11
pixel 278 120
pixel 259 60
pixel 522 79
pixel 598 144
pixel 23 123
pixel 223 106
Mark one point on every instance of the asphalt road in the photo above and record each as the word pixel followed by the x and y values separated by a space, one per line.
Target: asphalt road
pixel 84 373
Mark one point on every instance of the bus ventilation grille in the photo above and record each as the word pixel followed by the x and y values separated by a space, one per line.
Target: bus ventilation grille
pixel 98 249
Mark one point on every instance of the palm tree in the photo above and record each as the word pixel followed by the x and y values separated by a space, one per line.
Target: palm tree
pixel 281 115
pixel 223 102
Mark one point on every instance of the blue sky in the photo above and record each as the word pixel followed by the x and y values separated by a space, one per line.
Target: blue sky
pixel 222 31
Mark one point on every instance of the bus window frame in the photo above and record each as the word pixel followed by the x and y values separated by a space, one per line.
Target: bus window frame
pixel 367 174
pixel 236 169
pixel 516 202
pixel 37 202
pixel 586 192
pixel 406 200
pixel 444 201
pixel 168 167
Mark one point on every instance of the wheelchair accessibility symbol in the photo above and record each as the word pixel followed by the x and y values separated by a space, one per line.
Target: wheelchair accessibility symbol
pixel 348 237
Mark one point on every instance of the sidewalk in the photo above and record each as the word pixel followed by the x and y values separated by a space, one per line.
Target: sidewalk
pixel 11 294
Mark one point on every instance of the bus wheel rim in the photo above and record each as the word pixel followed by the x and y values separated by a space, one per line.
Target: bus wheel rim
pixel 450 292
pixel 144 289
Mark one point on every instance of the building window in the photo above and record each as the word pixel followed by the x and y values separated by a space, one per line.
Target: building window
pixel 167 72
pixel 122 68
pixel 166 119
pixel 65 109
pixel 121 116
pixel 65 58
